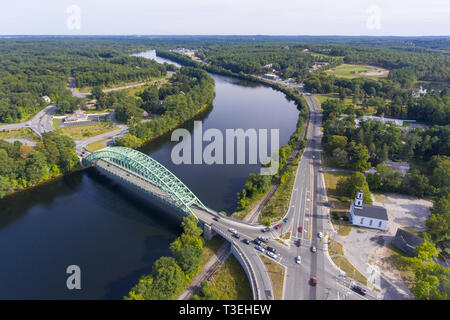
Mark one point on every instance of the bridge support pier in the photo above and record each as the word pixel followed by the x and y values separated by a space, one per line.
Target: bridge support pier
pixel 208 232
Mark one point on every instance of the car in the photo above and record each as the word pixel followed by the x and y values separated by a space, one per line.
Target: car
pixel 359 290
pixel 271 249
pixel 320 235
pixel 298 260
pixel 271 254
pixel 266 229
pixel 262 239
pixel 216 219
pixel 259 248
pixel 257 242
pixel 286 219
pixel 300 229
pixel 246 241
pixel 298 243
pixel 232 230
pixel 236 235
pixel 313 281
pixel 278 226
pixel 313 249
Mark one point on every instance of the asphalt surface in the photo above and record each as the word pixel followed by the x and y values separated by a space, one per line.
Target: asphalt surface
pixel 41 123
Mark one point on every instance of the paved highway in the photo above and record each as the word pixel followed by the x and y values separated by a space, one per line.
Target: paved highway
pixel 41 123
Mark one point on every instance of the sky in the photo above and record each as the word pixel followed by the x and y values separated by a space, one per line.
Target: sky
pixel 225 17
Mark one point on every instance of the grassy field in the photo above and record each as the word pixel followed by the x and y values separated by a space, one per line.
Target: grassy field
pixel 23 133
pixel 230 282
pixel 276 274
pixel 97 145
pixel 86 130
pixel 351 71
pixel 320 98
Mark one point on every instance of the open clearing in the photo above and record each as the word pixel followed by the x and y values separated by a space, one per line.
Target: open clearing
pixel 79 132
pixel 351 71
pixel 370 250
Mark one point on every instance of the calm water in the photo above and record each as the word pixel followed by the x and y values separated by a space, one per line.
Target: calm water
pixel 87 220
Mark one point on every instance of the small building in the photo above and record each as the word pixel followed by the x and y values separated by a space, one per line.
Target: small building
pixel 77 116
pixel 366 215
pixel 270 76
pixel 47 99
pixel 406 241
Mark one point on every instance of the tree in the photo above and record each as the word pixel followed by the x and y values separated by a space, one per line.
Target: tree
pixel 439 222
pixel 349 186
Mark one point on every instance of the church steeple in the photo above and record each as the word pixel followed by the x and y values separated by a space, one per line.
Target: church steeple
pixel 359 199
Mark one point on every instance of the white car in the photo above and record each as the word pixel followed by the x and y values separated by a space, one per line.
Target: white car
pixel 259 248
pixel 320 235
pixel 232 230
pixel 271 254
pixel 298 260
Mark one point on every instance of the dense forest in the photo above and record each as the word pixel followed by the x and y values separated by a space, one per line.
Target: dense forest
pixel 22 166
pixel 175 102
pixel 36 67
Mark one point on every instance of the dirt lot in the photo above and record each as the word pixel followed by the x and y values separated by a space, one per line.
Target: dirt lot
pixel 368 250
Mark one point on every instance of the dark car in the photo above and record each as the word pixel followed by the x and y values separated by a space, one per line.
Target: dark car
pixel 271 249
pixel 246 241
pixel 267 229
pixel 236 235
pixel 257 242
pixel 359 290
pixel 278 226
pixel 298 243
pixel 313 281
pixel 216 219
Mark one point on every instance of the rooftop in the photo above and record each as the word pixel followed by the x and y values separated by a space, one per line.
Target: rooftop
pixel 371 211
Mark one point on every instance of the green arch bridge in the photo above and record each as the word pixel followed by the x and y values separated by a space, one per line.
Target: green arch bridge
pixel 168 187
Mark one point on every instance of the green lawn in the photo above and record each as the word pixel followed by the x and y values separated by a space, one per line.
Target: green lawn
pixel 23 133
pixel 97 145
pixel 78 132
pixel 211 247
pixel 276 274
pixel 351 71
pixel 230 282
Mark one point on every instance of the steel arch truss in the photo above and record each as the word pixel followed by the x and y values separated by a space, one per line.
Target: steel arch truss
pixel 141 164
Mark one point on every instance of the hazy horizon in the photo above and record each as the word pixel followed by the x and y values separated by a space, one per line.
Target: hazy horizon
pixel 226 18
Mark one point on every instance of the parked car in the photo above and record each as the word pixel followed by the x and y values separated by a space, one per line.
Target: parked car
pixel 246 241
pixel 259 248
pixel 298 260
pixel 313 249
pixel 286 219
pixel 266 229
pixel 263 239
pixel 313 281
pixel 320 235
pixel 359 290
pixel 232 230
pixel 300 229
pixel 236 235
pixel 257 242
pixel 271 254
pixel 278 226
pixel 271 249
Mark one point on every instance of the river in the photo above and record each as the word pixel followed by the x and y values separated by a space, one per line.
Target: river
pixel 84 219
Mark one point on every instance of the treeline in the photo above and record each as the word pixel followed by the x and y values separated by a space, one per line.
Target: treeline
pixel 184 96
pixel 36 67
pixel 171 274
pixel 22 166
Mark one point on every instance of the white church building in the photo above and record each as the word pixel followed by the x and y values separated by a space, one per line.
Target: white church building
pixel 366 215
